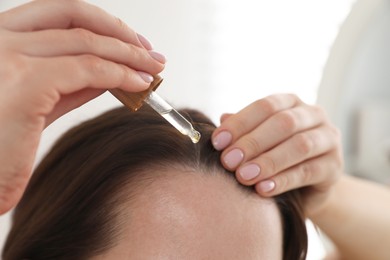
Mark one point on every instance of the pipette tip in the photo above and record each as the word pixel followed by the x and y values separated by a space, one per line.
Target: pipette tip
pixel 194 136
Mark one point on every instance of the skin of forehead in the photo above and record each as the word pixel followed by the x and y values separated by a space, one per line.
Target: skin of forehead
pixel 198 216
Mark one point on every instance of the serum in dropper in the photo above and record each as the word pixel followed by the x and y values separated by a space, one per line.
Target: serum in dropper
pixel 135 100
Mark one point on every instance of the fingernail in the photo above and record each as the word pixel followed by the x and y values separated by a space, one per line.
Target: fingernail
pixel 233 158
pixel 158 56
pixel 222 140
pixel 250 171
pixel 267 186
pixel 146 77
pixel 145 42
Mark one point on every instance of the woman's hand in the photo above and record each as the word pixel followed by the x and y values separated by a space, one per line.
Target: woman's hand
pixel 56 55
pixel 280 143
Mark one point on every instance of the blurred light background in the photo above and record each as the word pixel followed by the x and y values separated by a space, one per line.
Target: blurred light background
pixel 224 54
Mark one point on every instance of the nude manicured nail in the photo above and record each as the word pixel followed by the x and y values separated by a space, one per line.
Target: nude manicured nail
pixel 233 158
pixel 222 140
pixel 146 76
pixel 267 186
pixel 145 42
pixel 249 172
pixel 158 56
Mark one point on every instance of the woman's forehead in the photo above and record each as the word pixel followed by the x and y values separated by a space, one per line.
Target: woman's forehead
pixel 197 214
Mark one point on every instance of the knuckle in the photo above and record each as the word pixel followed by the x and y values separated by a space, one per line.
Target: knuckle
pixel 282 183
pixel 304 144
pixel 70 6
pixel 328 171
pixel 15 71
pixel 122 75
pixel 307 170
pixel 268 164
pixel 295 97
pixel 287 121
pixel 319 110
pixel 251 145
pixel 237 124
pixel 92 64
pixel 72 3
pixel 136 54
pixel 268 105
pixel 142 59
pixel 287 181
pixel 85 37
pixel 120 23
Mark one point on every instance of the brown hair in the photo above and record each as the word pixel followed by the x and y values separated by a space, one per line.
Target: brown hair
pixel 68 207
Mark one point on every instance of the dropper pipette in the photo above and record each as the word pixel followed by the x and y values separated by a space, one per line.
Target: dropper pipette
pixel 135 100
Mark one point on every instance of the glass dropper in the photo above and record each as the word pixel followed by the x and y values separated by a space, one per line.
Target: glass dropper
pixel 172 116
pixel 135 100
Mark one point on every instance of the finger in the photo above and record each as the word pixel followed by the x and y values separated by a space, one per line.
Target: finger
pixel 71 101
pixel 60 14
pixel 54 77
pixel 274 131
pixel 321 171
pixel 250 117
pixel 224 117
pixel 79 41
pixel 78 72
pixel 299 148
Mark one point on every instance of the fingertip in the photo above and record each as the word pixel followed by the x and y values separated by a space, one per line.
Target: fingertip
pixel 249 172
pixel 233 158
pixel 136 82
pixel 145 42
pixel 159 57
pixel 243 181
pixel 146 77
pixel 155 67
pixel 222 140
pixel 266 188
